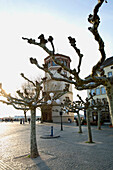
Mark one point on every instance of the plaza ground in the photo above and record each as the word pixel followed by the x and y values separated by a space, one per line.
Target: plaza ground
pixel 68 152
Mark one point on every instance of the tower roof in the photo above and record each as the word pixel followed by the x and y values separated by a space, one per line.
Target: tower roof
pixel 60 55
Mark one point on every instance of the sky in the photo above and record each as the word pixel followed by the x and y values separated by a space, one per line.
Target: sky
pixel 60 19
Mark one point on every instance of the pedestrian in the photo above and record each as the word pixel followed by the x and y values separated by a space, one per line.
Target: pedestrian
pixel 23 120
pixel 29 120
pixel 20 121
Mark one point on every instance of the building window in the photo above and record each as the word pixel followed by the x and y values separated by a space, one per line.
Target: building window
pixel 103 91
pixel 64 73
pixel 92 102
pixel 97 91
pixel 110 74
pixel 92 91
pixel 65 63
pixel 53 63
pixel 62 61
pixel 49 64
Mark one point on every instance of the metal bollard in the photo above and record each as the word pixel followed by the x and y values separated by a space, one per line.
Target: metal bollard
pixel 51 131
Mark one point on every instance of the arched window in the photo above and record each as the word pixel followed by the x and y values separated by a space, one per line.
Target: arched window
pixel 97 91
pixel 65 62
pixel 92 91
pixel 103 91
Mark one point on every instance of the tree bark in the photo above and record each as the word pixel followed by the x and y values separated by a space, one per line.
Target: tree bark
pixel 89 128
pixel 33 145
pixel 41 117
pixel 79 123
pixel 99 125
pixel 109 91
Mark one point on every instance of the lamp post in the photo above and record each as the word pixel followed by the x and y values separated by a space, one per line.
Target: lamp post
pixel 61 113
pixel 52 99
pixel 49 102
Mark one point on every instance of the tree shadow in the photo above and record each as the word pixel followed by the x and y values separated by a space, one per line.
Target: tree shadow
pixel 35 163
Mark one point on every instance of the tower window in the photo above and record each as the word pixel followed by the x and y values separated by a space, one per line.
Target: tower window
pixel 49 64
pixel 92 91
pixel 65 73
pixel 65 63
pixel 97 91
pixel 53 63
pixel 103 91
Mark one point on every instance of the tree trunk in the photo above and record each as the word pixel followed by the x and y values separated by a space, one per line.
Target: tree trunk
pixel 79 123
pixel 33 148
pixel 89 128
pixel 41 117
pixel 25 117
pixel 99 125
pixel 109 91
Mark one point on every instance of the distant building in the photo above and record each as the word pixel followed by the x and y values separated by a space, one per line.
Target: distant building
pixel 52 113
pixel 101 92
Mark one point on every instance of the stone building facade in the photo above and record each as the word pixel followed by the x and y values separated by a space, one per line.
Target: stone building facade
pixel 52 113
pixel 101 92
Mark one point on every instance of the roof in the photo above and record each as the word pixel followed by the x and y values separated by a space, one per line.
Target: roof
pixel 108 62
pixel 60 55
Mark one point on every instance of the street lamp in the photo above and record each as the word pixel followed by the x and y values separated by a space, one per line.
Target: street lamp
pixel 52 100
pixel 58 102
pixel 51 95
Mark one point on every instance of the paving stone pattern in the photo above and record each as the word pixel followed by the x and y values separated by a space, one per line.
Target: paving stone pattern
pixel 68 152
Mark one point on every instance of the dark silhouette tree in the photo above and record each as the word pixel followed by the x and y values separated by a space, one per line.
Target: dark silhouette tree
pixel 97 77
pixel 28 90
pixel 26 101
pixel 76 107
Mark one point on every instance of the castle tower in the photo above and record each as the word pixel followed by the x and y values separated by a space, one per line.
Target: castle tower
pixel 52 113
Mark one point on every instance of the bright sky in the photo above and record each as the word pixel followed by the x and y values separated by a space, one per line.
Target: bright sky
pixel 30 18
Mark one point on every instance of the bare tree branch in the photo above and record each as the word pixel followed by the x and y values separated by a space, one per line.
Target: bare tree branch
pixel 28 79
pixel 73 44
pixel 95 20
pixel 34 61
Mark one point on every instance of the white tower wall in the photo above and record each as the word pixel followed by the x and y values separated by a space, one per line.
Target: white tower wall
pixel 56 87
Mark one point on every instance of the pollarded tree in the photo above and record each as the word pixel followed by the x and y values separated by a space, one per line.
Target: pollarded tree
pixel 26 102
pixel 30 102
pixel 28 90
pixel 99 106
pixel 97 77
pixel 74 107
pixel 86 106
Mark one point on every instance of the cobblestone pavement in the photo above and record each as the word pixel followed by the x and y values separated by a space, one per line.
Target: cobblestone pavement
pixel 68 152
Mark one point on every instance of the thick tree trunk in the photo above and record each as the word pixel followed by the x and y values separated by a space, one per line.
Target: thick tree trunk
pixel 33 148
pixel 79 123
pixel 99 125
pixel 109 91
pixel 89 128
